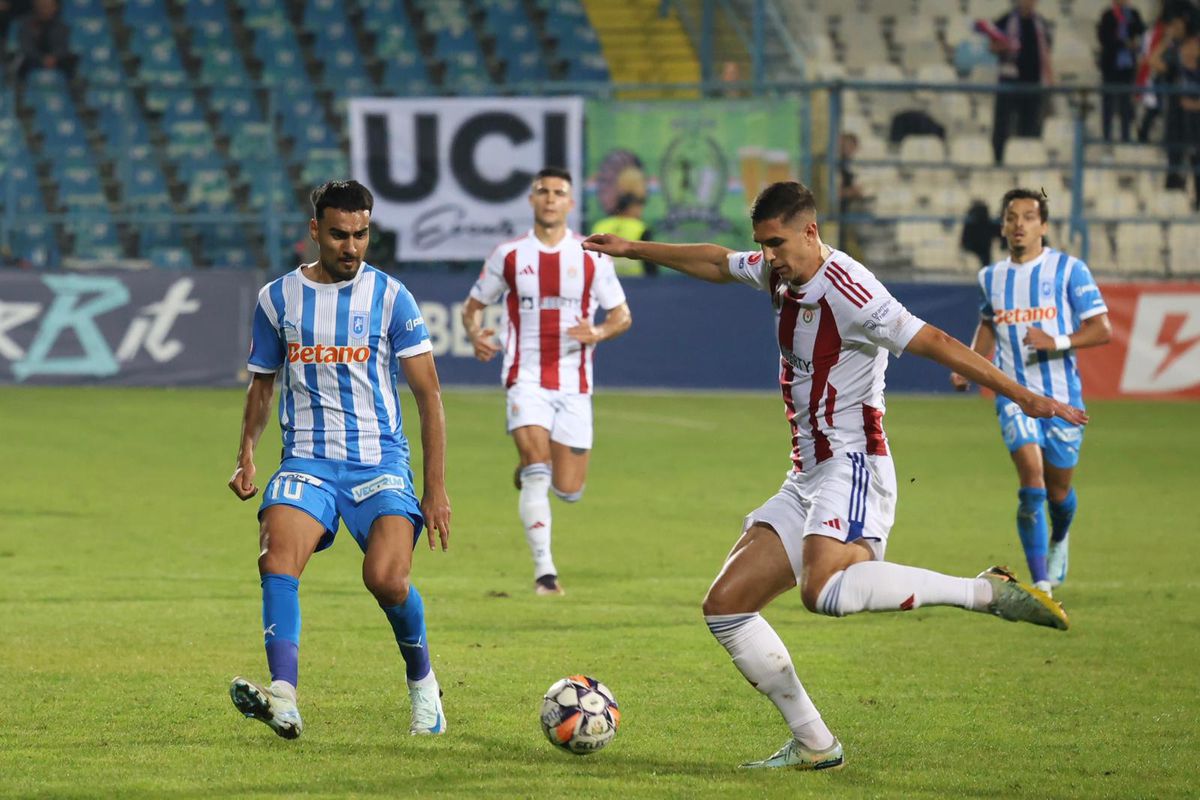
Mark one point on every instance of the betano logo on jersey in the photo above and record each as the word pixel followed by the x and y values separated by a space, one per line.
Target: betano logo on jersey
pixel 327 354
pixel 1018 316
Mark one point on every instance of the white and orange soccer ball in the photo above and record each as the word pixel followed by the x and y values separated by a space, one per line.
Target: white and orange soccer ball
pixel 580 715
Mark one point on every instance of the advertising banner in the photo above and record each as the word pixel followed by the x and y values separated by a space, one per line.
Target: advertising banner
pixel 1155 348
pixel 697 166
pixel 451 176
pixel 143 329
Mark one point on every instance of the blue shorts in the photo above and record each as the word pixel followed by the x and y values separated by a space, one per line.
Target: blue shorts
pixel 357 493
pixel 1059 439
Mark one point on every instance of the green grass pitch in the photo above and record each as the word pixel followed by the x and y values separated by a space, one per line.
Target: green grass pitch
pixel 129 598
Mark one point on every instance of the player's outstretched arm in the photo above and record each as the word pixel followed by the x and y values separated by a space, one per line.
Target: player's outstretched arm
pixel 482 339
pixel 984 342
pixel 708 262
pixel 937 345
pixel 254 421
pixel 422 377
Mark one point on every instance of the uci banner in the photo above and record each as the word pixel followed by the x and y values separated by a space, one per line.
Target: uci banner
pixel 451 176
pixel 143 329
pixel 698 166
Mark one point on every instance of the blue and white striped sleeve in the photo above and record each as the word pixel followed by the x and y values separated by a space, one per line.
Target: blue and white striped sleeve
pixel 1083 294
pixel 407 331
pixel 266 340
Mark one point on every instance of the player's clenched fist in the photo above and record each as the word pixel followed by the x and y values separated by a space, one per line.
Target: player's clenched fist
pixel 484 342
pixel 242 482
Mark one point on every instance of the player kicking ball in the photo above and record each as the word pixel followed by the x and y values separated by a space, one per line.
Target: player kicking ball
pixel 335 334
pixel 826 529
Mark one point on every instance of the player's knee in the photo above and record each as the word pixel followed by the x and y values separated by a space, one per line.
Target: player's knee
pixel 571 493
pixel 720 600
pixel 388 590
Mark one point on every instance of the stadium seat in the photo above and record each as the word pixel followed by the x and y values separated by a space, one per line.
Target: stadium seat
pixel 1184 243
pixel 926 149
pixel 1025 152
pixel 171 258
pixel 1139 248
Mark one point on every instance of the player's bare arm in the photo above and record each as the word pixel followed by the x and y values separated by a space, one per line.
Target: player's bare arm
pixel 937 345
pixel 708 262
pixel 1093 332
pixel 254 421
pixel 984 343
pixel 421 374
pixel 616 321
pixel 482 339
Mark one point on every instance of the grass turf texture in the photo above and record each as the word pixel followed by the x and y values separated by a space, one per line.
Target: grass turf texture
pixel 129 598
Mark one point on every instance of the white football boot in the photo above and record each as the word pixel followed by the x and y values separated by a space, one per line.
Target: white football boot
pixel 428 719
pixel 794 755
pixel 1056 562
pixel 274 705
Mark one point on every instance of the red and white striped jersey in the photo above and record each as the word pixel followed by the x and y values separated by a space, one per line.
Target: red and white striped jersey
pixel 548 290
pixel 834 335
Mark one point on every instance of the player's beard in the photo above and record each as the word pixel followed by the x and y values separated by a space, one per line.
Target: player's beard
pixel 340 271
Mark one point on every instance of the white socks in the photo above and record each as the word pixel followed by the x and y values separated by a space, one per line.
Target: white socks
pixel 760 655
pixel 534 507
pixel 883 586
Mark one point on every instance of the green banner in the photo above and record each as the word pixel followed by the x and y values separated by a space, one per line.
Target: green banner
pixel 697 165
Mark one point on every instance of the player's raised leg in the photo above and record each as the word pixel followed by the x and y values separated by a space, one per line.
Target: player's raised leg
pixel 569 465
pixel 288 537
pixel 387 570
pixel 883 586
pixel 755 573
pixel 533 504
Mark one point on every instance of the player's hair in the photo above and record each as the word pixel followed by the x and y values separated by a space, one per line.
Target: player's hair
pixel 342 195
pixel 1027 194
pixel 783 201
pixel 552 172
pixel 628 201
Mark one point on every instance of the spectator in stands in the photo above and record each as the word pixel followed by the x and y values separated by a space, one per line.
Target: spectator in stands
pixel 1120 32
pixel 1179 65
pixel 1169 27
pixel 626 222
pixel 851 192
pixel 10 10
pixel 43 41
pixel 1021 40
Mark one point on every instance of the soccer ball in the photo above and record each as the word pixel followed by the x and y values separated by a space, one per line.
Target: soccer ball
pixel 580 715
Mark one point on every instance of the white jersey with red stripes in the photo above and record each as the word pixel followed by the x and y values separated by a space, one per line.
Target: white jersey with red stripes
pixel 548 290
pixel 834 335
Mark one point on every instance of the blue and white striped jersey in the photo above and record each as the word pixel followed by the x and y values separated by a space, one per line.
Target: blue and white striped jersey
pixel 339 345
pixel 1054 292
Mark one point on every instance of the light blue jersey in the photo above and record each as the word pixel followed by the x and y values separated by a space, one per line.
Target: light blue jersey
pixel 339 345
pixel 1054 292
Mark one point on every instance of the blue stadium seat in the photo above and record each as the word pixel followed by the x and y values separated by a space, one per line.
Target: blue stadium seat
pixel 529 66
pixel 319 14
pixel 145 187
pixel 197 12
pixel 79 187
pixel 171 258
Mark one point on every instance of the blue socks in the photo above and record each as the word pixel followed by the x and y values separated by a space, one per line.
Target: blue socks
pixel 1034 533
pixel 281 626
pixel 1061 515
pixel 408 623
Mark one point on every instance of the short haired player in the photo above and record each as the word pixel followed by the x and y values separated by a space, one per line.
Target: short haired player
pixel 1037 307
pixel 827 527
pixel 551 291
pixel 336 334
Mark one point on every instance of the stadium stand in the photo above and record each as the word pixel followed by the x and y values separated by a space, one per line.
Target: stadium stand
pixel 196 110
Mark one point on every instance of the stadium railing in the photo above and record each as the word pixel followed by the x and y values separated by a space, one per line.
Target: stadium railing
pixel 829 108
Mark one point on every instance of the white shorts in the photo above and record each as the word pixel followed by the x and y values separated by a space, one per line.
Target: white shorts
pixel 567 415
pixel 848 497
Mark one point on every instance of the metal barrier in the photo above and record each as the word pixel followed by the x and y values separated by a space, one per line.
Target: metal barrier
pixel 825 112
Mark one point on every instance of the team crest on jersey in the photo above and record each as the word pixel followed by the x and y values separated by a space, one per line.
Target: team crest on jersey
pixel 358 324
pixel 526 303
pixel 1047 288
pixel 807 315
